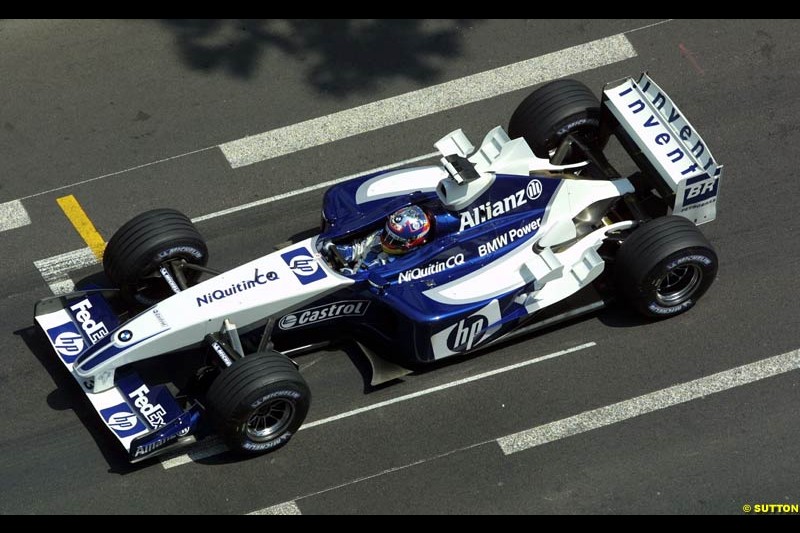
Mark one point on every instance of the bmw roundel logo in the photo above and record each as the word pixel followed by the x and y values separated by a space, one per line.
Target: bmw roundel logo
pixel 534 189
pixel 125 335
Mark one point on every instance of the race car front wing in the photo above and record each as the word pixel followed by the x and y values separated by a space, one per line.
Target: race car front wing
pixel 146 419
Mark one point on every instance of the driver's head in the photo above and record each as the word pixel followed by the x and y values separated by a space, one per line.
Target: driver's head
pixel 405 229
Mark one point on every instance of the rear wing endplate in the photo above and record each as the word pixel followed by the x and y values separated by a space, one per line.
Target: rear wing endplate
pixel 666 146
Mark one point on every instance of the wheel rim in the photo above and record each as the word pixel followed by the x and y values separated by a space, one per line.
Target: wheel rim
pixel 270 419
pixel 153 288
pixel 678 284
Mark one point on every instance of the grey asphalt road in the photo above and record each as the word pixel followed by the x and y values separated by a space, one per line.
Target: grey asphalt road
pixel 139 107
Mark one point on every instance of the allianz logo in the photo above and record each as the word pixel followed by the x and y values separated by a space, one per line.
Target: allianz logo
pixel 489 210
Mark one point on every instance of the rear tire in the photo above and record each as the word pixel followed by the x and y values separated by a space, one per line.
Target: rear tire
pixel 665 266
pixel 552 112
pixel 136 252
pixel 258 402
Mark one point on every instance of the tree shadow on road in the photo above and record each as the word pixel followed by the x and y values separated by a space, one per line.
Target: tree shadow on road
pixel 342 56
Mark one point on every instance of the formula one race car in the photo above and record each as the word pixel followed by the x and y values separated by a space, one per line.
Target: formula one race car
pixel 534 226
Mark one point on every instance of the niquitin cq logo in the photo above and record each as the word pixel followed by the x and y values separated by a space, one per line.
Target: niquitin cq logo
pixel 433 268
pixel 246 284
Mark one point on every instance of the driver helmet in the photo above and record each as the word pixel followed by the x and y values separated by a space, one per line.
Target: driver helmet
pixel 405 229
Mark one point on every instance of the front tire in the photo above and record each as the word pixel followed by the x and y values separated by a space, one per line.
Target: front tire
pixel 665 266
pixel 258 403
pixel 136 252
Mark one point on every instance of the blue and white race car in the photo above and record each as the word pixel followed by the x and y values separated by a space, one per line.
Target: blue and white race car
pixel 534 226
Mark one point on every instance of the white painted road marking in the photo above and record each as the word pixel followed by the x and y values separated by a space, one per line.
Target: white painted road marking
pixel 55 270
pixel 671 396
pixel 654 24
pixel 13 215
pixel 117 173
pixel 427 101
pixel 618 412
pixel 186 458
pixel 207 448
pixel 288 508
pixel 446 386
pixel 310 188
pixel 291 503
pixel 144 165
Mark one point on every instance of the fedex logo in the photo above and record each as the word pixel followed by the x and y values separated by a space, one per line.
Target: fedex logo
pixel 153 413
pixel 93 329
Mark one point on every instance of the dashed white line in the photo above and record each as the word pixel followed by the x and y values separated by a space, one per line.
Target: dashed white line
pixel 117 173
pixel 293 503
pixel 427 101
pixel 632 53
pixel 589 420
pixel 55 270
pixel 208 448
pixel 654 401
pixel 288 508
pixel 187 458
pixel 648 26
pixel 13 215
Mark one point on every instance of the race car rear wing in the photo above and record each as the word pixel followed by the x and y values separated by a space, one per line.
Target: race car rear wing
pixel 665 146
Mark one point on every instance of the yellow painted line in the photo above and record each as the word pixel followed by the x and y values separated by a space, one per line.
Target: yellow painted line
pixel 82 224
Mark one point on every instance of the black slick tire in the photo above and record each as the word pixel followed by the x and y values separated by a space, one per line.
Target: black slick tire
pixel 664 266
pixel 258 403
